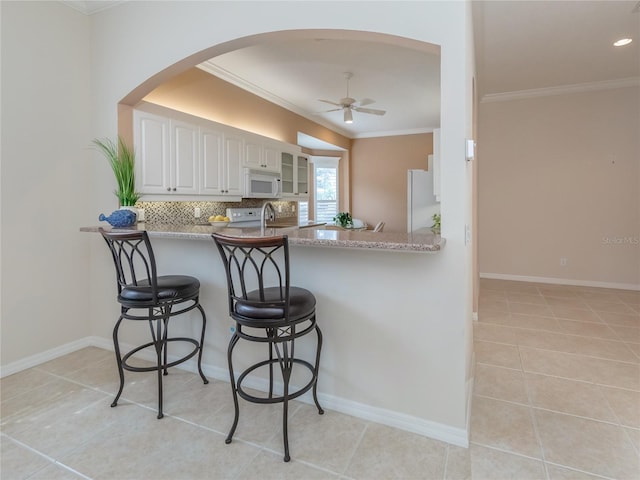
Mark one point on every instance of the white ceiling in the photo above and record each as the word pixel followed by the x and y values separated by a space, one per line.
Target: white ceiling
pixel 297 73
pixel 89 7
pixel 520 46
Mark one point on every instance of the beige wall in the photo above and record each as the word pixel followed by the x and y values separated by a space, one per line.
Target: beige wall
pixel 372 189
pixel 204 95
pixel 379 177
pixel 46 167
pixel 559 177
pixel 113 63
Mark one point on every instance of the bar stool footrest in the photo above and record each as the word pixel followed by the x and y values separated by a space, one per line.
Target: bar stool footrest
pixel 155 368
pixel 280 399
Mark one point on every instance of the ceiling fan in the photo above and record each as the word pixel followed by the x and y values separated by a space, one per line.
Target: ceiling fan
pixel 348 104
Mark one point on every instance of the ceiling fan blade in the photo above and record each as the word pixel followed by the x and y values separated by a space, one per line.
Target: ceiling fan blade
pixel 330 102
pixel 366 101
pixel 370 110
pixel 327 111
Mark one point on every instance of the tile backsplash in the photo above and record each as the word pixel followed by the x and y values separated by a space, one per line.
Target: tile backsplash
pixel 183 213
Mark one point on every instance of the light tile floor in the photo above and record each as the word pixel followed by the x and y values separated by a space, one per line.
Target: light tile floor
pixel 557 396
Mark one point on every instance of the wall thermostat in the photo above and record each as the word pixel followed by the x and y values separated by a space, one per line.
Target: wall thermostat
pixel 470 149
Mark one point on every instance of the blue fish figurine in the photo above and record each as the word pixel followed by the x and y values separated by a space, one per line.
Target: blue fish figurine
pixel 120 218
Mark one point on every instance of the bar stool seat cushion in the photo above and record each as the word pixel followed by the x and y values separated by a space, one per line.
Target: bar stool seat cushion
pixel 169 287
pixel 301 304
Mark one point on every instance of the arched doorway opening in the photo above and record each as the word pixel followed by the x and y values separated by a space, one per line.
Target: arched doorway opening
pixel 271 121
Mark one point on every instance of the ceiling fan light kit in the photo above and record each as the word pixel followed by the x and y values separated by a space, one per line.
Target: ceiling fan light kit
pixel 348 116
pixel 348 104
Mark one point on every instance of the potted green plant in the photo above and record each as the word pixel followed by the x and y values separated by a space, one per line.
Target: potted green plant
pixel 122 160
pixel 436 223
pixel 343 219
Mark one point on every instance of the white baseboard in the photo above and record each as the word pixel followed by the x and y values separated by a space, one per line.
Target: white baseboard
pixel 470 384
pixel 561 281
pixel 45 356
pixel 427 428
pixel 409 423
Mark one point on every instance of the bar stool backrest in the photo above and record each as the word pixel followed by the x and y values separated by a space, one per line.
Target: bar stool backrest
pixel 257 272
pixel 134 261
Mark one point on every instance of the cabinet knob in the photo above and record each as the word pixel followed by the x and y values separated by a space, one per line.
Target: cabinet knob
pixel 174 189
pixel 168 189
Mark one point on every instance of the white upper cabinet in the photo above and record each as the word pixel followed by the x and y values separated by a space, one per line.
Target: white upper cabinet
pixel 302 179
pixel 295 175
pixel 185 158
pixel 271 157
pixel 167 155
pixel 151 139
pixel 260 154
pixel 436 163
pixel 182 157
pixel 212 167
pixel 220 172
pixel 233 144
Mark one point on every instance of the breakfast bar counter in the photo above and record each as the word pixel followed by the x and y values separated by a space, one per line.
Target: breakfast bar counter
pixel 308 236
pixel 387 353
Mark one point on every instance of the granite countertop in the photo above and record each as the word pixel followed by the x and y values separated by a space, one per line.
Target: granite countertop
pixel 316 236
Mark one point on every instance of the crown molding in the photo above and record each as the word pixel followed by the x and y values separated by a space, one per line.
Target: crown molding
pixel 239 82
pixel 89 7
pixel 393 133
pixel 561 90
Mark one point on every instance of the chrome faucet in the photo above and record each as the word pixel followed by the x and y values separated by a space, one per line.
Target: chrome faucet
pixel 263 215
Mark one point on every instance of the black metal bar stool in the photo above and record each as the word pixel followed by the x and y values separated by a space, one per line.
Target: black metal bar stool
pixel 268 310
pixel 141 289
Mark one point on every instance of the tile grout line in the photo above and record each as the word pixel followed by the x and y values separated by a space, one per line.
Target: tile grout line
pixel 509 452
pixel 588 382
pixel 51 460
pixel 574 469
pixel 532 417
pixel 626 362
pixel 357 445
pixel 446 462
pixel 258 446
pixel 543 330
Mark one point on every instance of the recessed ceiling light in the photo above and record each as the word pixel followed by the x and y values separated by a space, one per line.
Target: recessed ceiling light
pixel 622 42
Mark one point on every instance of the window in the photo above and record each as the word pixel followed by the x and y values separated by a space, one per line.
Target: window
pixel 325 175
pixel 303 213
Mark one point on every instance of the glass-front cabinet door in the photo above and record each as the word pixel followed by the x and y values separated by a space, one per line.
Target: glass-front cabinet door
pixel 303 176
pixel 287 166
pixel 295 175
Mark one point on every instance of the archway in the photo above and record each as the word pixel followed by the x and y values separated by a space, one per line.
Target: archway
pixel 264 123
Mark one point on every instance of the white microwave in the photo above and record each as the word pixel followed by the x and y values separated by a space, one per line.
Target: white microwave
pixel 258 184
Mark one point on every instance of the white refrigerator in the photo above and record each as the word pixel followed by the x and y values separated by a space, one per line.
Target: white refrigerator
pixel 421 200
